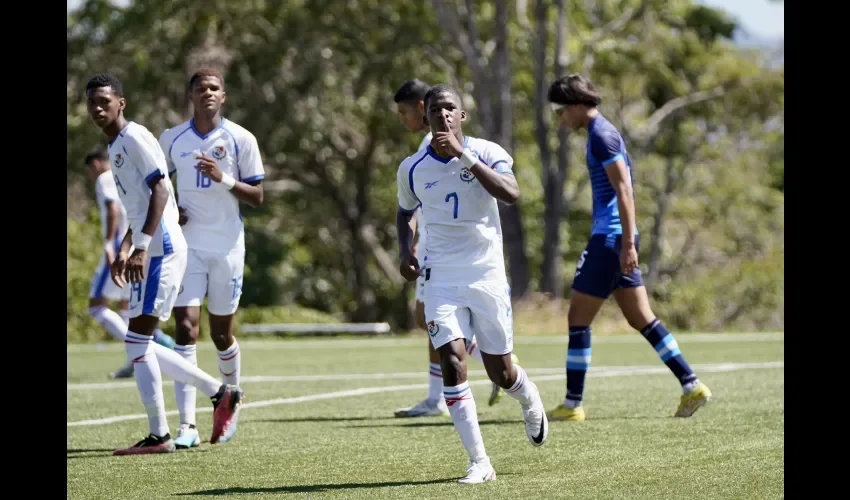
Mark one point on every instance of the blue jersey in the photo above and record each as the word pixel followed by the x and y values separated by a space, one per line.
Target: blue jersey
pixel 605 145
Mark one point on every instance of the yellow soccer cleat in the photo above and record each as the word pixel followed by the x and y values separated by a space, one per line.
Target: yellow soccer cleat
pixel 693 400
pixel 565 413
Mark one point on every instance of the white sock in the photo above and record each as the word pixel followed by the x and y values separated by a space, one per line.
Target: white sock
pixel 435 382
pixel 474 351
pixel 111 321
pixel 148 380
pixel 180 370
pixel 523 389
pixel 229 363
pixel 186 394
pixel 125 315
pixel 465 418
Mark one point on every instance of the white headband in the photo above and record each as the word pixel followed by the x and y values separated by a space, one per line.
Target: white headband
pixel 556 106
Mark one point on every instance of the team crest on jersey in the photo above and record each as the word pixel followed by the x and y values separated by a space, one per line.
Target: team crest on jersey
pixel 433 329
pixel 466 175
pixel 119 160
pixel 219 152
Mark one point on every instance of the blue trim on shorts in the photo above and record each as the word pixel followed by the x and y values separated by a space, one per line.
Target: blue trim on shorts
pixel 152 285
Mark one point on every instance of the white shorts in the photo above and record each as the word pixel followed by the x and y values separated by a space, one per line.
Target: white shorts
pixel 420 289
pixel 156 295
pixel 102 286
pixel 482 311
pixel 216 276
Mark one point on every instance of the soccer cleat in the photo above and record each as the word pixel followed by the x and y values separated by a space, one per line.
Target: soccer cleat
pixel 149 445
pixel 231 429
pixel 123 372
pixel 187 437
pixel 225 406
pixel 693 400
pixel 562 412
pixel 424 408
pixel 163 339
pixel 536 423
pixel 496 391
pixel 478 472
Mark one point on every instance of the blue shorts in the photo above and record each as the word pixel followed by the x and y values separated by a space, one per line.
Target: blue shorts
pixel 598 272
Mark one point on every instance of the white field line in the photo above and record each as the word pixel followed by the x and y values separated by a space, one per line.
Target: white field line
pixel 598 372
pixel 682 338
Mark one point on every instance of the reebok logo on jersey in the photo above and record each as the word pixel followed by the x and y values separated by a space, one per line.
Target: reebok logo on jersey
pixel 184 155
pixel 429 185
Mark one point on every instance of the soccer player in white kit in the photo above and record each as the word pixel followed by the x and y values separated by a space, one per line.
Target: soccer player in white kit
pixel 217 164
pixel 458 182
pixel 155 268
pixel 409 99
pixel 113 226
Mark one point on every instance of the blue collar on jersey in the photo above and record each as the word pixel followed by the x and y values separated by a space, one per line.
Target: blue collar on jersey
pixel 211 132
pixel 120 134
pixel 445 160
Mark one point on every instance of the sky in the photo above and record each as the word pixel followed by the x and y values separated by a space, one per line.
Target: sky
pixel 760 19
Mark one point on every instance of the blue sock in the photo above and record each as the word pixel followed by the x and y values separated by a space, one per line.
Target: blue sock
pixel 578 362
pixel 163 339
pixel 668 350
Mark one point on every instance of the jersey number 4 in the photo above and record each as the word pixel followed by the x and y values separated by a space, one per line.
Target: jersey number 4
pixel 453 196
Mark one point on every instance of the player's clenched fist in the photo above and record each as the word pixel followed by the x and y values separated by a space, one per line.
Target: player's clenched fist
pixel 409 267
pixel 208 167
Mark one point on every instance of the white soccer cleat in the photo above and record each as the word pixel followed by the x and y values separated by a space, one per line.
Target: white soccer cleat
pixel 425 408
pixel 187 437
pixel 478 472
pixel 536 423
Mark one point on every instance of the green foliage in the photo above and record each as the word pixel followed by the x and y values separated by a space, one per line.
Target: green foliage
pixel 314 81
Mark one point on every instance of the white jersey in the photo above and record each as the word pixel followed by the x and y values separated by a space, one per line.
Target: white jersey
pixel 105 191
pixel 214 219
pixel 136 158
pixel 420 221
pixel 463 228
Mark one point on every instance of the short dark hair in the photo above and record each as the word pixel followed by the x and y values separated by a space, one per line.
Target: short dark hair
pixel 96 153
pixel 411 91
pixel 574 89
pixel 197 75
pixel 106 80
pixel 442 88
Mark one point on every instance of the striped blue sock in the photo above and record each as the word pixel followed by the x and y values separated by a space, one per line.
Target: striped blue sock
pixel 668 350
pixel 578 362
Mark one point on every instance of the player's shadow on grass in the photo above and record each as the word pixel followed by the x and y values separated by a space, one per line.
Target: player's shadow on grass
pixel 317 488
pixel 406 422
pixel 315 419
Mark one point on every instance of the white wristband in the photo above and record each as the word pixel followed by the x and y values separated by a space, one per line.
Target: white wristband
pixel 468 158
pixel 108 246
pixel 141 241
pixel 227 181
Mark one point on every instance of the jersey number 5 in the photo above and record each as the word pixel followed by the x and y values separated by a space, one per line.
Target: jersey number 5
pixel 453 196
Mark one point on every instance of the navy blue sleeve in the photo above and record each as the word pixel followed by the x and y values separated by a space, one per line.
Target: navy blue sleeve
pixel 606 146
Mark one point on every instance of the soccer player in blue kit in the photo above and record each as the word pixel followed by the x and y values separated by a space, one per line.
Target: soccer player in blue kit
pixel 609 263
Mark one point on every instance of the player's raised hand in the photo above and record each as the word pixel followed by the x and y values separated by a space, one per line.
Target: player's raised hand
pixel 134 270
pixel 447 143
pixel 117 269
pixel 409 267
pixel 208 167
pixel 628 259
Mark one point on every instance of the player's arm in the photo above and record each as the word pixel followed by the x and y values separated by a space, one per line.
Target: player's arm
pixel 496 180
pixel 607 149
pixel 405 224
pixel 414 225
pixel 113 213
pixel 150 160
pixel 250 165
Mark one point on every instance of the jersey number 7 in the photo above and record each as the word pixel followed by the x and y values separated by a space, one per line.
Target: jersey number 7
pixel 453 196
